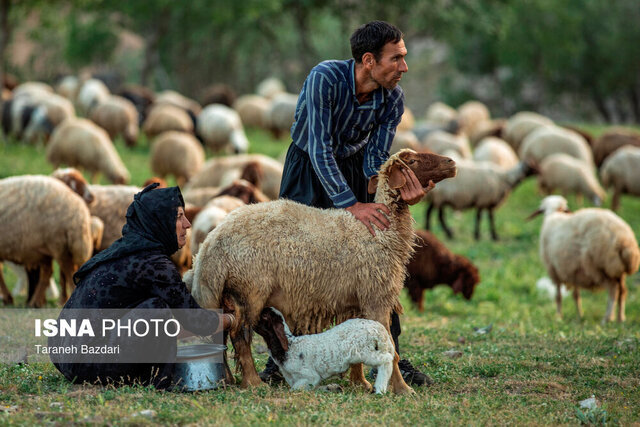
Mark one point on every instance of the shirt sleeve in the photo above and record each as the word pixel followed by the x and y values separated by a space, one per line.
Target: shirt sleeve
pixel 377 150
pixel 319 98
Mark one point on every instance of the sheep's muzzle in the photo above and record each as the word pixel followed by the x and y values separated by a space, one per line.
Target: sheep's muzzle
pixel 429 166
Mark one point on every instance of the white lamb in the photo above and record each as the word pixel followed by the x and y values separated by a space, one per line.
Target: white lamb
pixel 306 360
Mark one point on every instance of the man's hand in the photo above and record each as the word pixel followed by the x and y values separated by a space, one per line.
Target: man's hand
pixel 371 214
pixel 412 192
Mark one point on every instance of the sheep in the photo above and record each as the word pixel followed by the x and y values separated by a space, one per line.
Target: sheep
pixel 440 114
pixel 68 87
pixel 621 170
pixel 119 117
pixel 91 93
pixel 221 171
pixel 206 220
pixel 167 117
pixel 252 110
pixel 81 143
pixel 76 182
pixel 547 140
pixel 30 239
pixel 176 153
pixel 433 264
pixel 520 125
pixel 497 151
pixel 305 361
pixel 611 140
pixel 245 191
pixel 219 93
pixel 569 175
pixel 280 115
pixel 591 249
pixel 141 97
pixel 270 87
pixel 221 129
pixel 404 139
pixel 327 255
pixel 172 97
pixel 407 122
pixel 480 186
pixel 226 203
pixel 33 88
pixel 200 196
pixel 470 116
pixel 440 141
pixel 487 128
pixel 110 205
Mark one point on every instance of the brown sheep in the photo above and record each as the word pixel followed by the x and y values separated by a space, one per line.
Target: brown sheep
pixel 433 264
pixel 610 141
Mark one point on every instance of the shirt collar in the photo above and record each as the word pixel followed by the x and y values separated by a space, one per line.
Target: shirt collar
pixel 379 95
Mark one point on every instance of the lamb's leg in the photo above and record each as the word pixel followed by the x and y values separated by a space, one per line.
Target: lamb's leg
pixel 476 230
pixel 427 225
pixel 398 385
pixel 384 374
pixel 576 298
pixel 443 224
pixel 492 224
pixel 7 299
pixel 242 347
pixel 622 296
pixel 357 376
pixel 613 296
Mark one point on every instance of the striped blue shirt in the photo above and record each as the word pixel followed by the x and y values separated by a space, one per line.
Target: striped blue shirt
pixel 330 123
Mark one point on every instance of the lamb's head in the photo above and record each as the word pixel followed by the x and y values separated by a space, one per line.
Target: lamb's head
pixel 549 205
pixel 468 278
pixel 273 328
pixel 74 180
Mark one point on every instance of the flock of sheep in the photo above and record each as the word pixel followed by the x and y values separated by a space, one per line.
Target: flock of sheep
pixel 79 118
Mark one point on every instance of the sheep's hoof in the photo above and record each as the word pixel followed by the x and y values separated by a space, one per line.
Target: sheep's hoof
pixel 403 390
pixel 364 384
pixel 251 382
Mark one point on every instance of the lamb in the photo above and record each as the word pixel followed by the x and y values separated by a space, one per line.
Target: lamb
pixel 569 175
pixel 29 239
pixel 520 125
pixel 497 151
pixel 221 129
pixel 591 249
pixel 167 117
pixel 346 272
pixel 611 140
pixel 81 143
pixel 621 170
pixel 547 140
pixel 433 264
pixel 480 186
pixel 176 153
pixel 119 117
pixel 306 360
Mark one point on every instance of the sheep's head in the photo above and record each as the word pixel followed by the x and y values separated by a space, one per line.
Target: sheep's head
pixel 426 166
pixel 467 279
pixel 76 182
pixel 272 328
pixel 549 205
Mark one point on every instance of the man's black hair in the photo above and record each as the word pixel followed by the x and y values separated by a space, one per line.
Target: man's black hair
pixel 372 37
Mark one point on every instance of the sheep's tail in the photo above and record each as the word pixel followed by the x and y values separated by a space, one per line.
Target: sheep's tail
pixel 630 256
pixel 207 281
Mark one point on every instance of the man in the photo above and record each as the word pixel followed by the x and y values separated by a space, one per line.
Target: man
pixel 345 121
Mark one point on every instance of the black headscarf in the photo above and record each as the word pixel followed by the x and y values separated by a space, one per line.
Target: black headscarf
pixel 151 225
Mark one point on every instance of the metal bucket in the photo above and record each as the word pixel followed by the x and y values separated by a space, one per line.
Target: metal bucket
pixel 199 367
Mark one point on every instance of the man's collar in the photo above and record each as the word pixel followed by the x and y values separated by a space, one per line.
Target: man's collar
pixel 378 95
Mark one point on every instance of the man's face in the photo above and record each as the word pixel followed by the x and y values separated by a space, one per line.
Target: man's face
pixel 388 71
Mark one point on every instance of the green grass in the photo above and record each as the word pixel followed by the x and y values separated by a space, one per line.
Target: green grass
pixel 532 368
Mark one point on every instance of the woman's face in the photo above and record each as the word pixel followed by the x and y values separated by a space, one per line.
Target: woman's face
pixel 182 225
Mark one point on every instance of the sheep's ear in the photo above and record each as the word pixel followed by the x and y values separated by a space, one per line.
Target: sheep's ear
pixel 457 285
pixel 396 177
pixel 278 328
pixel 534 214
pixel 373 185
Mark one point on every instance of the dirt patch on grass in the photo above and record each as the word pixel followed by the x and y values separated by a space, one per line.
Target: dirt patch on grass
pixel 537 387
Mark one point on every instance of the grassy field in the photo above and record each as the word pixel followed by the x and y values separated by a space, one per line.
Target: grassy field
pixel 531 368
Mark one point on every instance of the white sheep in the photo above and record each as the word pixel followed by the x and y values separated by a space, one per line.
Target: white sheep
pixel 206 221
pixel 172 97
pixel 547 140
pixel 81 143
pixel 441 141
pixel 280 115
pixel 563 172
pixel 404 139
pixel 221 129
pixel 270 87
pixel 91 93
pixel 482 186
pixel 497 151
pixel 119 117
pixel 176 153
pixel 166 117
pixel 269 254
pixel 591 249
pixel 252 110
pixel 440 114
pixel 471 115
pixel 621 170
pixel 520 125
pixel 306 360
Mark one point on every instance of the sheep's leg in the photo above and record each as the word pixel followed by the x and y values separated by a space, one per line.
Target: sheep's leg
pixel 622 296
pixel 613 296
pixel 615 201
pixel 67 268
pixel 384 374
pixel 427 225
pixel 416 293
pixel 476 230
pixel 357 376
pixel 576 298
pixel 492 224
pixel 94 177
pixel 39 296
pixel 443 224
pixel 7 299
pixel 242 345
pixel 559 299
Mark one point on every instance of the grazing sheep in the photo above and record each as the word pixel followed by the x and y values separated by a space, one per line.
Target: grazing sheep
pixel 433 264
pixel 252 110
pixel 497 151
pixel 611 140
pixel 245 191
pixel 520 125
pixel 280 115
pixel 91 93
pixel 68 87
pixel 270 87
pixel 306 360
pixel 166 117
pixel 590 249
pixel 200 196
pixel 487 128
pixel 327 255
pixel 571 176
pixel 81 143
pixel 206 221
pixel 76 182
pixel 176 153
pixel 547 140
pixel 621 170
pixel 219 93
pixel 119 117
pixel 471 115
pixel 110 205
pixel 402 140
pixel 226 203
pixel 30 239
pixel 440 114
pixel 32 88
pixel 479 186
pixel 221 129
pixel 440 141
pixel 141 97
pixel 220 171
pixel 172 97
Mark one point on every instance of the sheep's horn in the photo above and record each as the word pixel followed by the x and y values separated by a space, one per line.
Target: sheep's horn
pixel 534 214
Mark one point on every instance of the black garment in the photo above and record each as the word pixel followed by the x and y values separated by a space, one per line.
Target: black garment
pixel 301 184
pixel 136 272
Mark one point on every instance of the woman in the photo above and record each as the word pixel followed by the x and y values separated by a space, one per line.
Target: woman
pixel 136 273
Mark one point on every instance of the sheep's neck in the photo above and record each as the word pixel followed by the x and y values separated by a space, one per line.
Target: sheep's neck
pixel 401 220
